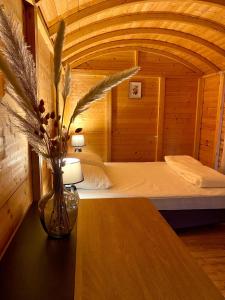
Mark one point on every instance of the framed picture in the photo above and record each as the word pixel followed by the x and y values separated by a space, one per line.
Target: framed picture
pixel 134 89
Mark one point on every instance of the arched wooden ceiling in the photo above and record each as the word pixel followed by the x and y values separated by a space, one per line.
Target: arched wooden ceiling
pixel 190 31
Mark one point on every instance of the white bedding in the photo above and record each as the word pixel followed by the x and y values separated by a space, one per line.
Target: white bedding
pixel 158 182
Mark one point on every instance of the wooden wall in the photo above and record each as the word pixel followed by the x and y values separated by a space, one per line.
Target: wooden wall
pixel 15 188
pixel 94 121
pixel 179 116
pixel 210 123
pixel 134 122
pixel 209 118
pixel 161 123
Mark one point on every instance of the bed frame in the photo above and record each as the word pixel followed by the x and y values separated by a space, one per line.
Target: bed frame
pixel 179 219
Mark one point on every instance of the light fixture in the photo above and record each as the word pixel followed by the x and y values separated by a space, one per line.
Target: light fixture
pixel 72 172
pixel 77 141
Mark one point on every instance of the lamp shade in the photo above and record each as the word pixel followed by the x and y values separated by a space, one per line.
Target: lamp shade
pixel 77 140
pixel 72 172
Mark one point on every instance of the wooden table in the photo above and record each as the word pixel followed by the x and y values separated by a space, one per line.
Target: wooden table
pixel 35 267
pixel 126 251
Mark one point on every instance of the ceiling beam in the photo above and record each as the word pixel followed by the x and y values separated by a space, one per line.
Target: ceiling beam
pixel 144 42
pixel 99 7
pixel 92 28
pixel 166 54
pixel 121 32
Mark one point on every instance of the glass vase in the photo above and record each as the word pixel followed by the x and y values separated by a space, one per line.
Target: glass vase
pixel 58 209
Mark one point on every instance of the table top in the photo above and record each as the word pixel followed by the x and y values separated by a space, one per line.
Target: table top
pixel 36 267
pixel 127 251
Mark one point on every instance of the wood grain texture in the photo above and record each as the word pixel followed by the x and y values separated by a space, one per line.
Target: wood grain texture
pixel 94 121
pixel 15 196
pixel 160 119
pixel 154 62
pixel 134 122
pixel 198 117
pixel 125 250
pixel 12 213
pixel 219 123
pixel 196 26
pixel 209 117
pixel 179 116
pixel 207 246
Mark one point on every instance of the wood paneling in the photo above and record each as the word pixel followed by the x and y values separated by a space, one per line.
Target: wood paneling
pixel 179 116
pixel 94 121
pixel 207 246
pixel 142 130
pixel 14 167
pixel 134 122
pixel 13 211
pixel 209 117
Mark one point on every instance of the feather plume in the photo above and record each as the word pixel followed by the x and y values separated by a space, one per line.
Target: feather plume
pixel 31 119
pixel 100 89
pixel 58 52
pixel 18 56
pixel 66 88
pixel 4 66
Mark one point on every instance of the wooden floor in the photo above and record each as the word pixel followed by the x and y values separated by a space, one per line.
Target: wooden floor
pixel 207 245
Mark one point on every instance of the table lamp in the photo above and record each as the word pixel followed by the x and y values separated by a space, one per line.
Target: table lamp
pixel 72 172
pixel 77 141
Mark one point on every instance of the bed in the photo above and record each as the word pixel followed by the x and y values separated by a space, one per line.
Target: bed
pixel 181 203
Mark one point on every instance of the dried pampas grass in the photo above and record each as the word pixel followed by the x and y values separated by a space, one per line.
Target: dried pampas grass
pixel 32 120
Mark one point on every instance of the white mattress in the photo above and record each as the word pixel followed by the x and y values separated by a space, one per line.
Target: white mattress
pixel 158 182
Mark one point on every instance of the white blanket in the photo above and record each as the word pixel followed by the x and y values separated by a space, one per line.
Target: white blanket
pixel 195 172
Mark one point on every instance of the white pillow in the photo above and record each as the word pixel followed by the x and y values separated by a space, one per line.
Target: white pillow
pixel 89 158
pixel 95 178
pixel 183 159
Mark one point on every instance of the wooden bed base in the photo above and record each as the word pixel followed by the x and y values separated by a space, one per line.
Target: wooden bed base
pixel 179 219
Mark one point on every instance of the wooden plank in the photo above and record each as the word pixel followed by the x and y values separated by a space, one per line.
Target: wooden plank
pixel 12 213
pixel 207 246
pixel 209 115
pixel 141 42
pixel 198 120
pixel 164 53
pixel 219 120
pixel 160 125
pixel 134 122
pixel 178 17
pixel 69 39
pixel 180 111
pixel 141 73
pixel 94 121
pixel 109 125
pixel 125 250
pixel 136 58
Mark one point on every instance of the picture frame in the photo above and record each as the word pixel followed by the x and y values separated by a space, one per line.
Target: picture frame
pixel 135 90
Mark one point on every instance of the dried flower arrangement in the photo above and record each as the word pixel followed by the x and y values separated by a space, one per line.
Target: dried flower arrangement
pixel 32 120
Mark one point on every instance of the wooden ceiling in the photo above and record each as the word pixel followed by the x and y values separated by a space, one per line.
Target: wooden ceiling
pixel 189 31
